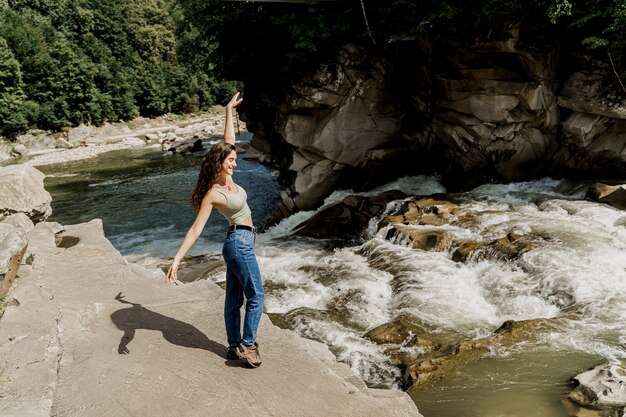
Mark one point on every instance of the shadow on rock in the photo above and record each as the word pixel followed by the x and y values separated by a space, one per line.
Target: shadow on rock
pixel 174 331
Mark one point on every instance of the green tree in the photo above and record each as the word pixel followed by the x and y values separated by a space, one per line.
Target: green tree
pixel 12 97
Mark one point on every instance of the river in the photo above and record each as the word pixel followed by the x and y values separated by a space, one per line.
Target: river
pixel 335 294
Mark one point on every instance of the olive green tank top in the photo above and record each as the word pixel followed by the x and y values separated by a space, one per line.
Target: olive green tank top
pixel 236 210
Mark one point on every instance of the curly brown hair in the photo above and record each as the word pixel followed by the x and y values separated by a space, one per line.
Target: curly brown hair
pixel 210 170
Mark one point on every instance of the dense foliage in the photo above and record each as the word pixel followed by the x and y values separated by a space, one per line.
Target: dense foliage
pixel 270 44
pixel 65 62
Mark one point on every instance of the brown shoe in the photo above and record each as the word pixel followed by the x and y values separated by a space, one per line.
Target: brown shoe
pixel 250 354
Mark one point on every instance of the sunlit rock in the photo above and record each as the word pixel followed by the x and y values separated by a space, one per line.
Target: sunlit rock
pixel 423 211
pixel 511 246
pixel 615 195
pixel 435 240
pixel 603 386
pixel 13 243
pixel 22 190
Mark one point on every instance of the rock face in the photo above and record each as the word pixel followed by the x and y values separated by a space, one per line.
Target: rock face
pixel 594 133
pixel 488 112
pixel 21 190
pixel 335 123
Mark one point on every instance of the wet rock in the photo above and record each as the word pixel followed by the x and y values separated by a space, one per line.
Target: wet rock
pixel 438 363
pixel 603 386
pixel 347 218
pixel 436 240
pixel 614 195
pixel 423 211
pixel 574 409
pixel 509 247
pixel 398 331
pixel 187 146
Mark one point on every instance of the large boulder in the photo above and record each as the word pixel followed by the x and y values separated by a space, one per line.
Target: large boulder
pixel 615 195
pixel 331 126
pixel 22 190
pixel 348 218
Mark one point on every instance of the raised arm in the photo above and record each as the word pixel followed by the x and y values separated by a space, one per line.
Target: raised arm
pixel 229 129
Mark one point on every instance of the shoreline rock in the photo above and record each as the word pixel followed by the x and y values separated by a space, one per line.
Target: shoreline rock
pixel 90 331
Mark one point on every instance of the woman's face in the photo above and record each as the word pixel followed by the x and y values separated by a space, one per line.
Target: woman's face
pixel 229 164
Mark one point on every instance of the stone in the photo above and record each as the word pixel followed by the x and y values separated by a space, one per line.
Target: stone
pixel 62 143
pixel 509 247
pixel 603 386
pixel 22 190
pixel 398 331
pixel 423 211
pixel 79 134
pixel 152 137
pixel 187 146
pixel 20 220
pixel 582 128
pixel 446 358
pixel 348 218
pixel 614 195
pixel 13 243
pixel 20 150
pixel 488 108
pixel 417 238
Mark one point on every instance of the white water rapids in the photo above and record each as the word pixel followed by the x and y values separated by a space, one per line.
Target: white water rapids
pixel 579 265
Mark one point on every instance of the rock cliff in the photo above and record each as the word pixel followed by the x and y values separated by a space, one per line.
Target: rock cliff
pixel 492 112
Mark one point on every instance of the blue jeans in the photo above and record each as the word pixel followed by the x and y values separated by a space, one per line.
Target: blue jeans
pixel 243 277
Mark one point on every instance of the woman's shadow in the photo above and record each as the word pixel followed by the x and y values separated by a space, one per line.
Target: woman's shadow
pixel 174 331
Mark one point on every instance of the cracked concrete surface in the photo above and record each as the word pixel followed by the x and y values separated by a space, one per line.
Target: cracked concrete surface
pixel 94 335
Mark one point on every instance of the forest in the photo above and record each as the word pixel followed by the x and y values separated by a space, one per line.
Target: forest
pixel 66 62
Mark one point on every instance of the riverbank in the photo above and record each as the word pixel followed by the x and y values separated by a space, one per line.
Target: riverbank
pixel 88 333
pixel 39 148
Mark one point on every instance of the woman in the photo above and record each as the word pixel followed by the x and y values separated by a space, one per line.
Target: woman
pixel 215 188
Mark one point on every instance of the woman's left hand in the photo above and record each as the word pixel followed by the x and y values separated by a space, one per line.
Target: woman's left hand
pixel 234 102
